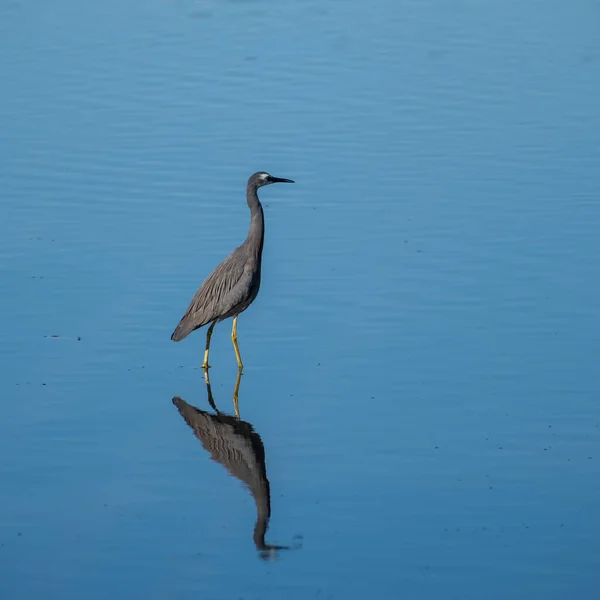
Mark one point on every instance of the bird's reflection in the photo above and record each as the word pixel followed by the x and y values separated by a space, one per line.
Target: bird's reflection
pixel 234 444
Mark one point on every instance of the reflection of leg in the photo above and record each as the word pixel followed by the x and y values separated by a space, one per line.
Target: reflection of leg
pixel 236 391
pixel 205 364
pixel 209 390
pixel 235 344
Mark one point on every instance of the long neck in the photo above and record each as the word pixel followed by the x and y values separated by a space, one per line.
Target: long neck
pixel 256 233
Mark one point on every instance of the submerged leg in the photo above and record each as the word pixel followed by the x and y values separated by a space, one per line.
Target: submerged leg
pixel 236 391
pixel 205 364
pixel 235 344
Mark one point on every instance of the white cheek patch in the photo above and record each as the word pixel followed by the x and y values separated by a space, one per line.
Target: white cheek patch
pixel 264 176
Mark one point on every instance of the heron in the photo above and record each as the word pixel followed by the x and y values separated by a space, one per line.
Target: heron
pixel 232 287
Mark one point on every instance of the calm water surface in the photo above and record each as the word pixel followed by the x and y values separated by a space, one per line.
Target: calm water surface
pixel 419 407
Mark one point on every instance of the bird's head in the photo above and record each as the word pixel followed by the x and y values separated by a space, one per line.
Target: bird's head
pixel 261 178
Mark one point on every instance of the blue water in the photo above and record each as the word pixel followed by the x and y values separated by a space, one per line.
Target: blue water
pixel 421 361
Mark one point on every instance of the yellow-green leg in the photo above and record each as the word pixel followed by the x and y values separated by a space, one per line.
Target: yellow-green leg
pixel 235 344
pixel 205 364
pixel 236 391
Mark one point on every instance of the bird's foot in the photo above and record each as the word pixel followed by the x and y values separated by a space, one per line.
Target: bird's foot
pixel 205 366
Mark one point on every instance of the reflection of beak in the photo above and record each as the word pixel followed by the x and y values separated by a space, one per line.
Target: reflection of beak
pixel 280 180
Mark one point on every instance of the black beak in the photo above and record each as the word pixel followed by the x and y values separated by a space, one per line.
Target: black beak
pixel 280 180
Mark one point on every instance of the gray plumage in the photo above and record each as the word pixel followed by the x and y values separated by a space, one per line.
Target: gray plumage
pixel 234 284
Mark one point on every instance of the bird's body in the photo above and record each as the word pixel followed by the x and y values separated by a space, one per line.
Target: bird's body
pixel 227 291
pixel 233 285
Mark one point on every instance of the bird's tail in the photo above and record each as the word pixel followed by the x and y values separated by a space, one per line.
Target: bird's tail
pixel 181 331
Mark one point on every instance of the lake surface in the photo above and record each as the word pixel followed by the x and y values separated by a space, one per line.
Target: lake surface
pixel 421 364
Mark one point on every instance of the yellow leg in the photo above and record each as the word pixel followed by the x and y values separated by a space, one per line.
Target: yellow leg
pixel 235 344
pixel 236 391
pixel 205 364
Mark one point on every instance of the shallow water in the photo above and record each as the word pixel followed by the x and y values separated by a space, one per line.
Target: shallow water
pixel 421 359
